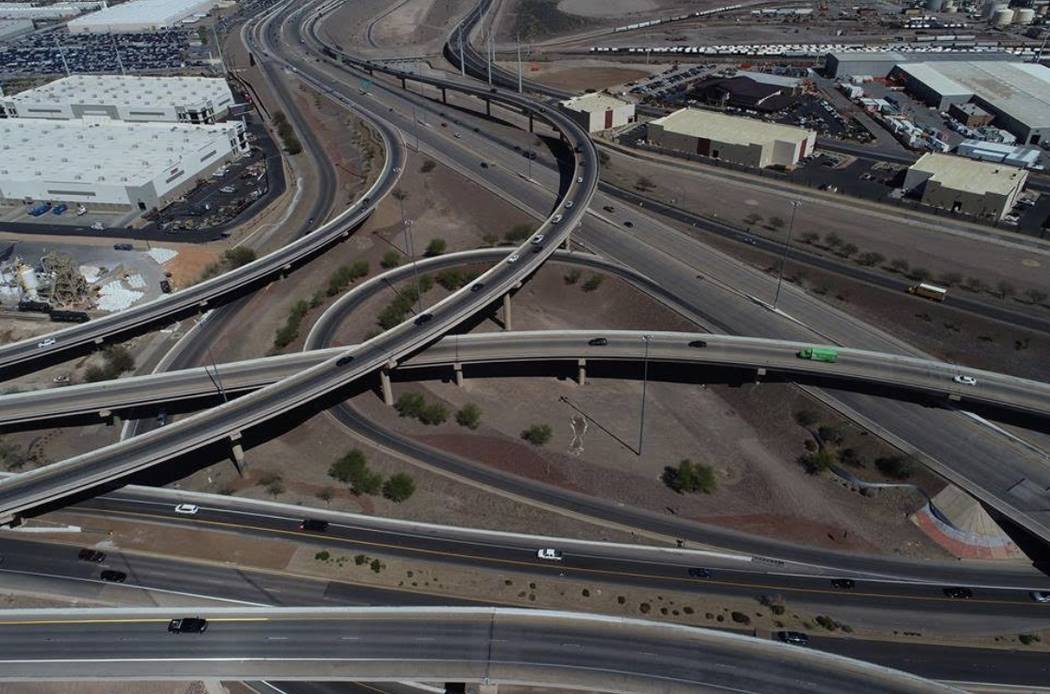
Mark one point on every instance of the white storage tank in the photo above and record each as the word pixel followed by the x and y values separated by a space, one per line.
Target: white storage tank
pixel 1003 18
pixel 992 7
pixel 934 5
pixel 1024 15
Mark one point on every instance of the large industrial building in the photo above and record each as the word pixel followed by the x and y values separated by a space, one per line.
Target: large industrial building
pixel 140 15
pixel 731 138
pixel 60 10
pixel 880 63
pixel 168 99
pixel 597 111
pixel 100 161
pixel 975 188
pixel 1016 94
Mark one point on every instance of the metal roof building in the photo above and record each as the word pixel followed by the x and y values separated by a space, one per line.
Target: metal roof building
pixel 1018 94
pixel 129 98
pixel 732 138
pixel 966 186
pixel 140 15
pixel 880 63
pixel 598 111
pixel 25 10
pixel 100 161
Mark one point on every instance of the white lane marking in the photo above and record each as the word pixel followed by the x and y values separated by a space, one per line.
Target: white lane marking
pixel 135 586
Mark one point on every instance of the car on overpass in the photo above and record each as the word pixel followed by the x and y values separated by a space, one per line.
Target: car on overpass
pixel 188 625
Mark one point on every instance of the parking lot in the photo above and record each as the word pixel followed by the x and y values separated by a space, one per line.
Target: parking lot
pixel 38 53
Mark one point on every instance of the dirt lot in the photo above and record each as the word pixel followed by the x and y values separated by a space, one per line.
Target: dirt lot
pixel 381 27
pixel 583 75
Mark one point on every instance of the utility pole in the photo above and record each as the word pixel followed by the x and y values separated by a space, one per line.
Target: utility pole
pixel 61 53
pixel 519 65
pixel 218 49
pixel 462 65
pixel 116 52
pixel 488 55
pixel 407 225
pixel 216 380
pixel 783 258
pixel 645 383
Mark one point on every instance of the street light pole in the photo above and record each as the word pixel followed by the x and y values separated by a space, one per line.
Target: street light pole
pixel 645 383
pixel 783 257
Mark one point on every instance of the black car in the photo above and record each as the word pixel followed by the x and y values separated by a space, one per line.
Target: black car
pixel 629 224
pixel 484 165
pixel 843 583
pixel 113 576
pixel 608 208
pixel 699 573
pixel 123 247
pixel 91 555
pixel 188 625
pixel 795 637
pixel 698 343
pixel 598 342
pixel 318 526
pixel 343 361
pixel 165 286
pixel 423 319
pixel 476 287
pixel 959 593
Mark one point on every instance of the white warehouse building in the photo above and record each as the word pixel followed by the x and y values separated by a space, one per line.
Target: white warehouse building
pixel 130 98
pixel 100 161
pixel 140 15
pixel 597 111
pixel 61 10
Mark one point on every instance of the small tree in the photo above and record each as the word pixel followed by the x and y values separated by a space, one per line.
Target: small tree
pixel 644 183
pixel 870 258
pixel 900 265
pixel 776 222
pixel 537 434
pixel 326 495
pixel 433 414
pixel 919 274
pixel 950 279
pixel 806 418
pixel 428 166
pixel 973 284
pixel 897 467
pixel 119 359
pixel 593 282
pixel 809 237
pixel 410 404
pixel 435 247
pixel 831 434
pixel 848 249
pixel 1035 296
pixel 573 276
pixel 399 487
pixel 391 259
pixel 817 461
pixel 752 218
pixel 346 467
pixel 832 240
pixel 275 488
pixel 469 416
pixel 690 478
pixel 518 233
pixel 1004 289
pixel 237 256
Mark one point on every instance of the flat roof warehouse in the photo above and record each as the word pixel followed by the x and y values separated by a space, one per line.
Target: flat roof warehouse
pixel 143 92
pixel 140 15
pixel 728 129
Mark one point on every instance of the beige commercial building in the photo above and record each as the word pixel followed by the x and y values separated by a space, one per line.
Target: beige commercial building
pixel 732 138
pixel 976 188
pixel 597 111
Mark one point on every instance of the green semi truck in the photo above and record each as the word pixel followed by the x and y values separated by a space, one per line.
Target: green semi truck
pixel 819 354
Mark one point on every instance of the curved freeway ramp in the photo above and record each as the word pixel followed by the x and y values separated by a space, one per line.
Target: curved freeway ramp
pixel 490 645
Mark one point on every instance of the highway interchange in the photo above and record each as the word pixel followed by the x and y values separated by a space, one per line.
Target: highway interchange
pixel 228 421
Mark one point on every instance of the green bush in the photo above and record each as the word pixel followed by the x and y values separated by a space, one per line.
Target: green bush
pixel 818 461
pixel 353 469
pixel 399 487
pixel 346 274
pixel 593 282
pixel 740 618
pixel 469 416
pixel 391 259
pixel 898 467
pixel 1028 639
pixel 428 166
pixel 690 478
pixel 451 279
pixel 410 405
pixel 238 256
pixel 12 456
pixel 537 434
pixel 433 414
pixel 290 330
pixel 573 276
pixel 518 233
pixel 435 247
pixel 323 555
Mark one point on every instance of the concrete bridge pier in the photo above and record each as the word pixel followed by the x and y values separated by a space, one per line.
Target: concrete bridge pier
pixel 384 384
pixel 506 312
pixel 488 107
pixel 530 122
pixel 581 375
pixel 759 373
pixel 444 97
pixel 237 452
pixel 458 369
pixel 404 82
pixel 110 418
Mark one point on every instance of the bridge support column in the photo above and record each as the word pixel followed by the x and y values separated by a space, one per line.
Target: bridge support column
pixel 581 375
pixel 110 418
pixel 458 369
pixel 404 83
pixel 388 390
pixel 759 373
pixel 237 452
pixel 444 96
pixel 98 341
pixel 530 122
pixel 952 397
pixel 488 107
pixel 506 312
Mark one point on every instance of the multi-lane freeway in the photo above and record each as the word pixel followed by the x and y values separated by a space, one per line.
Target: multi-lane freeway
pixel 490 645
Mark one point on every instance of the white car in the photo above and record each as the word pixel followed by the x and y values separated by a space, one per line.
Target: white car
pixel 98 226
pixel 61 378
pixel 1040 595
pixel 513 259
pixel 537 239
pixel 227 189
pixel 187 509
pixel 568 204
pixel 46 342
pixel 579 179
pixel 966 380
pixel 81 210
pixel 557 218
pixel 549 554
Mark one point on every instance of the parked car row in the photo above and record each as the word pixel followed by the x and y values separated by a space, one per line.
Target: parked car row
pixel 38 53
